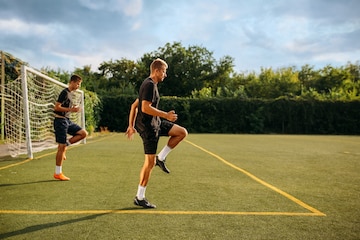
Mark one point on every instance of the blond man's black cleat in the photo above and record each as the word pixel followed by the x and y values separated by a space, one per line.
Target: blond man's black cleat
pixel 162 165
pixel 143 203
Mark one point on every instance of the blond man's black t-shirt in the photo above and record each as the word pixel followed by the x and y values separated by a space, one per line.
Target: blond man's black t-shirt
pixel 150 127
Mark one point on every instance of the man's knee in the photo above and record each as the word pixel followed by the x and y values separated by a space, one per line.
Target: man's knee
pixel 61 147
pixel 150 161
pixel 181 132
pixel 83 133
pixel 178 132
pixel 184 132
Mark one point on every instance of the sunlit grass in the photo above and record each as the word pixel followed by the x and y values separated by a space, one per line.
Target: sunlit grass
pixel 206 195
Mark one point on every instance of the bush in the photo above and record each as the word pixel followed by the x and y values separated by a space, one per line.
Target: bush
pixel 232 115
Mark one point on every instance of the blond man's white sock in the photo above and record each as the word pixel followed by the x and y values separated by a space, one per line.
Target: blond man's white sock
pixel 164 152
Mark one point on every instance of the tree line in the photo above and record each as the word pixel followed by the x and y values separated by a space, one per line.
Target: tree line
pixel 194 72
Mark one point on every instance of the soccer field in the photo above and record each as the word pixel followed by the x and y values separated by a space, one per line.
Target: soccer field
pixel 221 186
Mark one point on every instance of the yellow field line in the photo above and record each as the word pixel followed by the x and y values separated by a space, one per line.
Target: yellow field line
pixel 143 211
pixel 16 164
pixel 47 154
pixel 290 197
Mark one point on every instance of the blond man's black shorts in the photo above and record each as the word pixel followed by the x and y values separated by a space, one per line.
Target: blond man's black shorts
pixel 150 137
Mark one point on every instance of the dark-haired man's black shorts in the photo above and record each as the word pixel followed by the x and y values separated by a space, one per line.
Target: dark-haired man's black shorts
pixel 64 126
pixel 150 138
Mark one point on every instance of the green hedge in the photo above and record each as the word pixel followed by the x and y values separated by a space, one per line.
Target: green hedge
pixel 246 116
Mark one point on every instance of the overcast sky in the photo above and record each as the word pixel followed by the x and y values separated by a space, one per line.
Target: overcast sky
pixel 65 34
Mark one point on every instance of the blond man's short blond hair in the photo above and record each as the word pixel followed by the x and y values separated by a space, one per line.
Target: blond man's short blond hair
pixel 157 64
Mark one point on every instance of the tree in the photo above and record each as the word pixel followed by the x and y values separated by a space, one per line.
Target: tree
pixel 306 76
pixel 329 78
pixel 90 79
pixel 221 81
pixel 119 76
pixel 354 70
pixel 60 75
pixel 189 69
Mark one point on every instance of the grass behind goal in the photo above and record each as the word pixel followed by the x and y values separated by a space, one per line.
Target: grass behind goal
pixel 220 187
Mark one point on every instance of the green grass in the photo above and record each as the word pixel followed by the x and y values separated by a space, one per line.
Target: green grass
pixel 220 187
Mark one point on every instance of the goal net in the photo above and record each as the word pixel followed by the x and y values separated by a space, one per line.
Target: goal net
pixel 29 105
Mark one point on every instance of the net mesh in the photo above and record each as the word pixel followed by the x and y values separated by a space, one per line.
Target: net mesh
pixel 42 95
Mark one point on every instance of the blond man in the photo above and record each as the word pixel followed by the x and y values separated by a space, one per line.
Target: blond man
pixel 151 123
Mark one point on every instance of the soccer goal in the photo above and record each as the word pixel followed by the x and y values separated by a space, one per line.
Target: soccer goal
pixel 29 105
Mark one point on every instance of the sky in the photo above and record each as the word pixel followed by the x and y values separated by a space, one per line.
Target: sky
pixel 69 34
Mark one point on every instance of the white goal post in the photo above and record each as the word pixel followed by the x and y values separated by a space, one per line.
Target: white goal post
pixel 29 105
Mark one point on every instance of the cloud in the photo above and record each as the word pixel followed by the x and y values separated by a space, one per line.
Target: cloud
pixel 128 7
pixel 329 11
pixel 18 27
pixel 74 33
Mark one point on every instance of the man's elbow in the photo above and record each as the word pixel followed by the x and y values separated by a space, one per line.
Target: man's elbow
pixel 146 109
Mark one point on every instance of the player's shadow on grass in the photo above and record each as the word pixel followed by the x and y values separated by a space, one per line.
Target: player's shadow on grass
pixel 131 208
pixel 26 183
pixel 40 227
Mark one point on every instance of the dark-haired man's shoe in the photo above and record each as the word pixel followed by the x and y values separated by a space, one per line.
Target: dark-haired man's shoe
pixel 162 165
pixel 61 177
pixel 143 203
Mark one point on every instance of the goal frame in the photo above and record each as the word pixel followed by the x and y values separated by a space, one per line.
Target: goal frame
pixel 24 71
